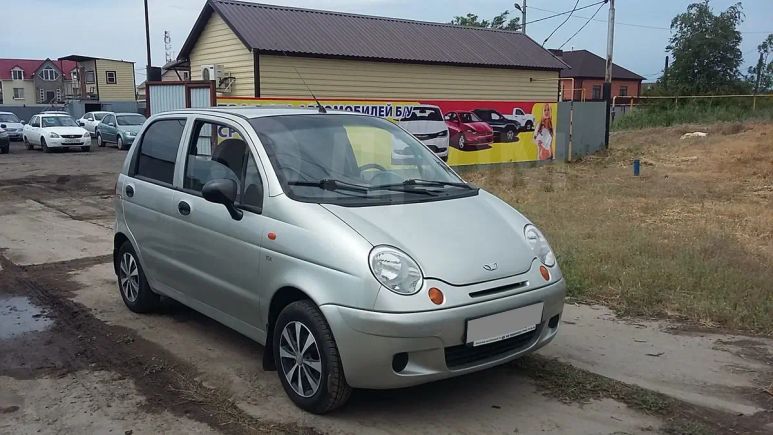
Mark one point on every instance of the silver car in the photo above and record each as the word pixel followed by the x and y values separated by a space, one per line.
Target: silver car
pixel 297 229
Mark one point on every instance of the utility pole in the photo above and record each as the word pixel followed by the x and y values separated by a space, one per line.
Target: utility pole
pixel 608 73
pixel 760 65
pixel 147 40
pixel 523 15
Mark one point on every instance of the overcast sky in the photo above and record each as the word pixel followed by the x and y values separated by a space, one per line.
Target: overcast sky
pixel 115 28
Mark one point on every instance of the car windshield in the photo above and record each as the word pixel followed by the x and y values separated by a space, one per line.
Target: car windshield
pixel 8 117
pixel 424 114
pixel 130 119
pixel 98 116
pixel 58 121
pixel 469 117
pixel 354 160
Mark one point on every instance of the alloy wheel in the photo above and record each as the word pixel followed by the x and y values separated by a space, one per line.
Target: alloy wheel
pixel 300 359
pixel 510 135
pixel 129 277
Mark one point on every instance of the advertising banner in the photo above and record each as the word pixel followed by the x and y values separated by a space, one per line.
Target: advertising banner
pixel 461 132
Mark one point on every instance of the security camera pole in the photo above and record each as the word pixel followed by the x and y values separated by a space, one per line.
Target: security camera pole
pixel 608 73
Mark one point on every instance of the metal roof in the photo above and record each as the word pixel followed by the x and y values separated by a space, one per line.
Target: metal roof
pixel 307 32
pixel 588 65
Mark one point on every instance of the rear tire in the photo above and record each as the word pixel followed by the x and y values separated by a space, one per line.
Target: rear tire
pixel 302 322
pixel 509 135
pixel 132 284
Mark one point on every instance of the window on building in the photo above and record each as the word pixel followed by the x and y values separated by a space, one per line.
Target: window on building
pixel 186 75
pixel 18 93
pixel 90 77
pixel 41 95
pixel 111 77
pixel 74 74
pixel 623 91
pixel 158 150
pixel 49 74
pixel 17 74
pixel 596 92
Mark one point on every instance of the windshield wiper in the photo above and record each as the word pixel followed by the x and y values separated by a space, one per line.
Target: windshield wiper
pixel 332 184
pixel 420 182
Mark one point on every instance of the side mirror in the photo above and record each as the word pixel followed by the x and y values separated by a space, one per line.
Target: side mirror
pixel 223 191
pixel 24 123
pixel 2 125
pixel 111 124
pixel 80 123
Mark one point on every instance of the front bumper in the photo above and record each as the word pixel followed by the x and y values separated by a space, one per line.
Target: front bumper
pixel 368 341
pixel 15 135
pixel 61 142
pixel 478 139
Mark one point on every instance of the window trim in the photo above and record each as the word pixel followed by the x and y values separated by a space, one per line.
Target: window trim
pixel 115 77
pixel 17 70
pixel 132 173
pixel 620 92
pixel 21 94
pixel 93 76
pixel 49 74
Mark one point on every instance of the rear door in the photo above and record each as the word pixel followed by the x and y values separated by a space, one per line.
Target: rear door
pixel 148 194
pixel 219 256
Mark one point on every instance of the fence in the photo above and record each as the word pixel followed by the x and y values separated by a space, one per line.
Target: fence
pixel 581 129
pixel 166 96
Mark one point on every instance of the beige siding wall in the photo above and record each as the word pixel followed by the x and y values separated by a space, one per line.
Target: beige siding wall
pixel 123 89
pixel 360 79
pixel 219 45
pixel 29 92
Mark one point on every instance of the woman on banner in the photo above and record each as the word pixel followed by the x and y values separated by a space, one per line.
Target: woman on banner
pixel 543 134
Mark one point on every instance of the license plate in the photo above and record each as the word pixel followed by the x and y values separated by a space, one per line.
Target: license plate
pixel 503 325
pixel 72 141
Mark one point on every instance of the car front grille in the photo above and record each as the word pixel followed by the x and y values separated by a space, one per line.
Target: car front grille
pixel 72 136
pixel 428 136
pixel 463 355
pixel 435 149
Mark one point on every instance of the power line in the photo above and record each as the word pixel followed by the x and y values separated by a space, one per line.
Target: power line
pixel 583 26
pixel 562 23
pixel 643 26
pixel 562 13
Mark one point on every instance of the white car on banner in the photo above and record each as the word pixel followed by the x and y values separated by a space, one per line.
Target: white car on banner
pixel 426 124
pixel 526 120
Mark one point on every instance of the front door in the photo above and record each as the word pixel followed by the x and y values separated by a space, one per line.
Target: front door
pixel 218 255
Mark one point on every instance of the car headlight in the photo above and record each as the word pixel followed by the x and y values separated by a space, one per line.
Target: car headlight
pixel 129 133
pixel 395 270
pixel 443 133
pixel 54 135
pixel 87 134
pixel 539 245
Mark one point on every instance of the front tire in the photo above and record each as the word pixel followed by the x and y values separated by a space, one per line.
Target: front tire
pixel 27 143
pixel 132 284
pixel 307 359
pixel 86 148
pixel 43 146
pixel 529 125
pixel 462 142
pixel 100 142
pixel 120 143
pixel 5 150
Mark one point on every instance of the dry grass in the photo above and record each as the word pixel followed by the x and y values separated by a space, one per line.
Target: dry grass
pixel 692 238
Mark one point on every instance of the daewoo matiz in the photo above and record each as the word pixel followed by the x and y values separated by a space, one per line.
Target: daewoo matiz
pixel 297 229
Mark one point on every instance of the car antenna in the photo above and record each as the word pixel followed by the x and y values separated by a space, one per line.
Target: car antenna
pixel 320 107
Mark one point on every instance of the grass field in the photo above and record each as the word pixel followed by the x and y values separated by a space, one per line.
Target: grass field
pixel 661 113
pixel 692 238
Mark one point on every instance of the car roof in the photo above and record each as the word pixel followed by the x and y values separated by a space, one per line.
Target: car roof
pixel 126 113
pixel 258 112
pixel 53 114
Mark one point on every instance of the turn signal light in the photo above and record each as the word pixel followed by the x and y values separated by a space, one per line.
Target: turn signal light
pixel 544 272
pixel 436 296
pixel 272 236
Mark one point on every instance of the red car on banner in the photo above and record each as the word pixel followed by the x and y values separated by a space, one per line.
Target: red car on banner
pixel 468 130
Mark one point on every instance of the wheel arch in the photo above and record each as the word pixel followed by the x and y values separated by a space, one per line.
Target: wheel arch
pixel 279 300
pixel 118 240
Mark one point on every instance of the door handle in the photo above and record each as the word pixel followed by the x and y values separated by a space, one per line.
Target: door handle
pixel 129 191
pixel 184 208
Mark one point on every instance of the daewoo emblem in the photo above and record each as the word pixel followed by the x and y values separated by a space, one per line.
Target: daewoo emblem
pixel 490 267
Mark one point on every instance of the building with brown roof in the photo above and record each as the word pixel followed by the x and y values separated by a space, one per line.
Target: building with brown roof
pixel 257 50
pixel 588 71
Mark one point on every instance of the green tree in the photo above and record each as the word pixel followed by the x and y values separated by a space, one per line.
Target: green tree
pixel 764 64
pixel 499 22
pixel 706 51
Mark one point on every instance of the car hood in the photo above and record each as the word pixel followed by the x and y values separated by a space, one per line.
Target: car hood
pixel 66 130
pixel 423 127
pixel 451 240
pixel 130 128
pixel 480 127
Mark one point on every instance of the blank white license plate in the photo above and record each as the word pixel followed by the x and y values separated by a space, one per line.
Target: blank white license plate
pixel 503 325
pixel 72 142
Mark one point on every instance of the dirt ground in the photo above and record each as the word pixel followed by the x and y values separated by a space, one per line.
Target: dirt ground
pixel 74 359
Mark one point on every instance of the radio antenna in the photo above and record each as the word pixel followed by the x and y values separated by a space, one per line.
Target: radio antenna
pixel 320 107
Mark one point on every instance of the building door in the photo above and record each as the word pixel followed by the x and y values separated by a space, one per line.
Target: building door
pixel 50 96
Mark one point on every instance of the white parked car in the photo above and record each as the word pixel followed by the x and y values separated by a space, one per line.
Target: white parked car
pixel 524 119
pixel 426 124
pixel 55 131
pixel 11 124
pixel 90 120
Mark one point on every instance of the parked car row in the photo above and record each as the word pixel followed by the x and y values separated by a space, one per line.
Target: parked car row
pixel 52 129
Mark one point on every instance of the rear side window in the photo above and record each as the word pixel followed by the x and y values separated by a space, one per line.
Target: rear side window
pixel 158 150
